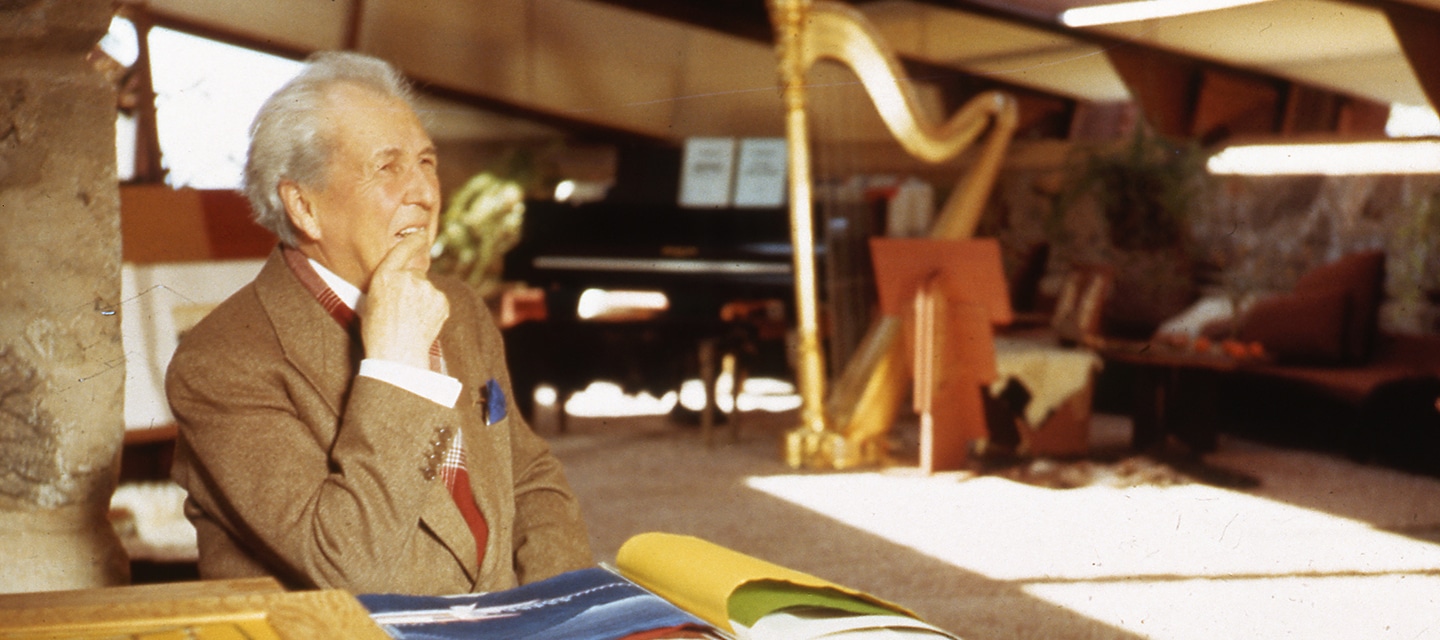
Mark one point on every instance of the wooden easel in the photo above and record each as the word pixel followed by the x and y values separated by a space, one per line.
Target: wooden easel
pixel 951 294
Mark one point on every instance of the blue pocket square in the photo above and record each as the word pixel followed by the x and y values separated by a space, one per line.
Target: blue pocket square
pixel 494 406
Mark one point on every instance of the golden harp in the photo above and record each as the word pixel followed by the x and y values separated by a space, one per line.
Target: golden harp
pixel 848 430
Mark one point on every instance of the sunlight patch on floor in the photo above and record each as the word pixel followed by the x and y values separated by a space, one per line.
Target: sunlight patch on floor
pixel 1105 552
pixel 1398 605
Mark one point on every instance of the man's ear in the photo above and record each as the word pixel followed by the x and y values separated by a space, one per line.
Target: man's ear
pixel 299 209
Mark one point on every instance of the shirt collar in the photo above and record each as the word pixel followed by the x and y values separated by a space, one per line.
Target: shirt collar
pixel 348 293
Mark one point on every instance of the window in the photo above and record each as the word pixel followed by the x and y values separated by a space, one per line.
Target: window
pixel 206 94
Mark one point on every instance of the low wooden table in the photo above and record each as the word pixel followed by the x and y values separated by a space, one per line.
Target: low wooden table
pixel 1174 392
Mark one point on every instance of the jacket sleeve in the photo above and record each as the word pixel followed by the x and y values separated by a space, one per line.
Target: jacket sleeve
pixel 319 501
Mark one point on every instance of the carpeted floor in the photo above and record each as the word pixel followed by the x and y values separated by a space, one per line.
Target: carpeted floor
pixel 1258 542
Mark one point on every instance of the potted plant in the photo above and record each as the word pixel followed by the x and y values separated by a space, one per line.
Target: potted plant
pixel 1143 193
pixel 1145 190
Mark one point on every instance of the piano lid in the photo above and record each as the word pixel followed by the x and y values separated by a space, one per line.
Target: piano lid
pixel 668 240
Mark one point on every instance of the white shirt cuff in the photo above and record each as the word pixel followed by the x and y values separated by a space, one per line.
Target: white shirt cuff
pixel 435 387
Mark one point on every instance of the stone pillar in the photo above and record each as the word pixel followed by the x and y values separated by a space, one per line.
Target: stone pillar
pixel 61 363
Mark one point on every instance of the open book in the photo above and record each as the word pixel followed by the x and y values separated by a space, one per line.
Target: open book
pixel 757 600
pixel 589 604
pixel 663 586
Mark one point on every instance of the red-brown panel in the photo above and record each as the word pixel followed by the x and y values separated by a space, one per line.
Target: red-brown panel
pixel 231 231
pixel 1230 105
pixel 1163 86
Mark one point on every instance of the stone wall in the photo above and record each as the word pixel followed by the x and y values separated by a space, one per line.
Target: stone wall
pixel 1252 234
pixel 61 362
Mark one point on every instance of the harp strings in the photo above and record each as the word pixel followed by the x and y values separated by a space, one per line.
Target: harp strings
pixel 845 217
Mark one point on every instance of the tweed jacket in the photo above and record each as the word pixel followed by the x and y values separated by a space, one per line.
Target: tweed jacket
pixel 298 468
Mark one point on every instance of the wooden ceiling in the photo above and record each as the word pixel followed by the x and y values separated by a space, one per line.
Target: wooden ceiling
pixel 665 70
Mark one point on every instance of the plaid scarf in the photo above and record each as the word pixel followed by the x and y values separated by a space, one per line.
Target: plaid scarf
pixel 452 467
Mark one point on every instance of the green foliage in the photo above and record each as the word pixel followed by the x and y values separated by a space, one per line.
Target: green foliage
pixel 480 224
pixel 1417 243
pixel 482 219
pixel 1146 190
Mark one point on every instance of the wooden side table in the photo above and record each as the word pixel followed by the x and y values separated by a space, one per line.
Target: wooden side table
pixel 1174 392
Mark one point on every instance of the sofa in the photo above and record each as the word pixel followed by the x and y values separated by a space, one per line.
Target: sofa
pixel 1330 377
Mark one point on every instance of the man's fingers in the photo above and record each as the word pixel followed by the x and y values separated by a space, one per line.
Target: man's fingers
pixel 405 251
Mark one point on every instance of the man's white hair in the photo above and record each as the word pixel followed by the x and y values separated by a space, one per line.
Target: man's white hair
pixel 290 138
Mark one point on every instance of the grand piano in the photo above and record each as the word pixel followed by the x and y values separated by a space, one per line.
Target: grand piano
pixel 727 275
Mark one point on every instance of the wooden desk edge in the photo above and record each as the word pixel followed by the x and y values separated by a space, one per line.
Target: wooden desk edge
pixel 293 614
pixel 140 593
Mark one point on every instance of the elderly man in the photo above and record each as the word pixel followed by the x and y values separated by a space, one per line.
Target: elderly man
pixel 344 419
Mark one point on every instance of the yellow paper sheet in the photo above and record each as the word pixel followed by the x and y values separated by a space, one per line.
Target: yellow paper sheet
pixel 700 576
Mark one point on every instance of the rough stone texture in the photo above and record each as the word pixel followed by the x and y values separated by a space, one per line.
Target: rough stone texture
pixel 67 27
pixel 1258 234
pixel 61 362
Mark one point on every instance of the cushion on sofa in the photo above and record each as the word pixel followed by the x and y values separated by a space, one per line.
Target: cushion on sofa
pixel 1300 327
pixel 1361 277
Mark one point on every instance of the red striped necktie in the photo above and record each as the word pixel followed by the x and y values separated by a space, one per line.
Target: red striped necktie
pixel 453 471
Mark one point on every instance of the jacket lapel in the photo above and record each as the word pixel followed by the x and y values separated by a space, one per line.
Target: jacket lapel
pixel 480 449
pixel 317 346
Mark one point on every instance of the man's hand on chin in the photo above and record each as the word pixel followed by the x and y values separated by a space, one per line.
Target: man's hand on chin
pixel 403 312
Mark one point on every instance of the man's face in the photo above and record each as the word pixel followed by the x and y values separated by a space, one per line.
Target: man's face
pixel 380 185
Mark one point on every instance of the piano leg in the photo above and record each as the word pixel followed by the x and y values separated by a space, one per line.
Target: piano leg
pixel 733 364
pixel 720 355
pixel 707 350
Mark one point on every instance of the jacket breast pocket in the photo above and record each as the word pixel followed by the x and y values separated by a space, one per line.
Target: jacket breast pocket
pixel 493 405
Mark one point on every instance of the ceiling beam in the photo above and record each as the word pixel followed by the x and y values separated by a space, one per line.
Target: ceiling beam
pixel 749 19
pixel 353 21
pixel 1419 33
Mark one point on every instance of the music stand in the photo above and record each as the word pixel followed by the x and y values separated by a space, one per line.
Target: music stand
pixel 951 294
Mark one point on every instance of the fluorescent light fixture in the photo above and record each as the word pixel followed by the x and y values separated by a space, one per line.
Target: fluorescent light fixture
pixel 1142 10
pixel 1332 159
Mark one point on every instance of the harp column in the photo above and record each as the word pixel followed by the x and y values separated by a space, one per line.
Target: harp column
pixel 812 443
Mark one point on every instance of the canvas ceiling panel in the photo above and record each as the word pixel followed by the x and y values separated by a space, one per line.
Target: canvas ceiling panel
pixel 1336 45
pixel 1007 52
pixel 1080 71
pixel 304 25
pixel 1383 79
pixel 952 34
pixel 729 86
pixel 608 65
pixel 1271 33
pixel 481 48
pixel 450 120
